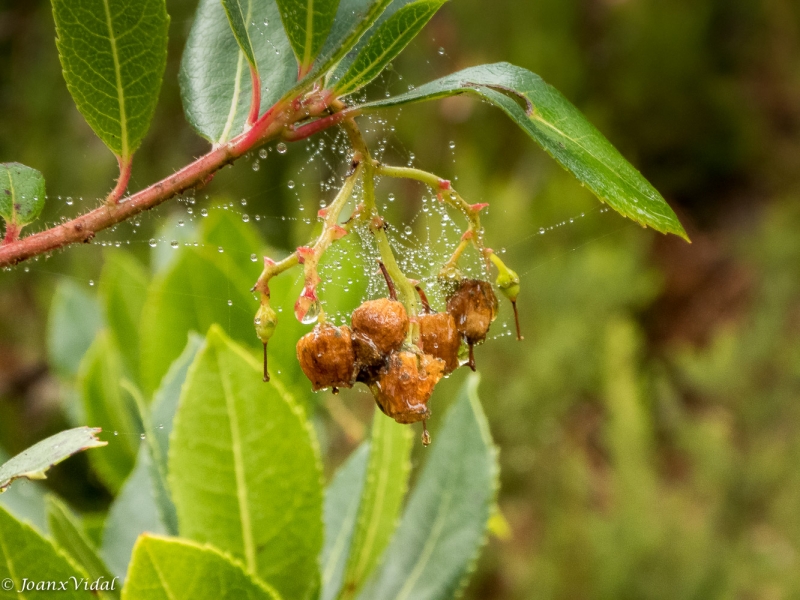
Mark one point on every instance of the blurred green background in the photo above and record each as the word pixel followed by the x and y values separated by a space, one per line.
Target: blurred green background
pixel 649 423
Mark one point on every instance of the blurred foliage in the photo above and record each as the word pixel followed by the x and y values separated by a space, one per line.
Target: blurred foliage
pixel 648 424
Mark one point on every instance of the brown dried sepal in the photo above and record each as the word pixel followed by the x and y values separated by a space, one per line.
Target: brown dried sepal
pixel 439 337
pixel 369 360
pixel 405 385
pixel 474 307
pixel 327 358
pixel 383 321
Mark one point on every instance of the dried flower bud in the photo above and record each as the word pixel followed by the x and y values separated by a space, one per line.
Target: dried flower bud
pixel 383 321
pixel 439 337
pixel 405 385
pixel 369 360
pixel 326 357
pixel 474 307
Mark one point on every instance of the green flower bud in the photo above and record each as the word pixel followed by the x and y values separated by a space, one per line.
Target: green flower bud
pixel 265 322
pixel 508 282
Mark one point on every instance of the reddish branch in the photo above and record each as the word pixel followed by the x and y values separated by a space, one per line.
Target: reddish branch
pixel 82 229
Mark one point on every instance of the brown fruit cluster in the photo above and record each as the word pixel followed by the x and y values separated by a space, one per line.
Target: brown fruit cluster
pixel 402 376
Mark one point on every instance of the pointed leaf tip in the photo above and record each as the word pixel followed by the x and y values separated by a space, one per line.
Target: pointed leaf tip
pixel 34 462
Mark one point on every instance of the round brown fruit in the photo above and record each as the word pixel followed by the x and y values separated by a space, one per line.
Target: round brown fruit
pixel 384 322
pixel 474 307
pixel 405 385
pixel 326 357
pixel 439 337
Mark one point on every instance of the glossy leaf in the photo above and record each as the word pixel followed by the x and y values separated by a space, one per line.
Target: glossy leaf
pixel 113 54
pixel 105 405
pixel 307 24
pixel 390 38
pixel 134 511
pixel 22 194
pixel 165 569
pixel 560 128
pixel 381 499
pixel 123 289
pixel 238 21
pixel 34 462
pixel 244 470
pixel 74 320
pixel 353 19
pixel 214 78
pixel 24 554
pixel 342 500
pixel 444 524
pixel 67 532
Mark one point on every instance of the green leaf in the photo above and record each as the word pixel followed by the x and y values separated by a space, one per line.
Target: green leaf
pixel 307 23
pixel 21 195
pixel 215 82
pixel 444 524
pixel 342 499
pixel 74 320
pixel 104 405
pixel 244 470
pixel 123 289
pixel 113 53
pixel 381 500
pixel 24 554
pixel 67 532
pixel 191 295
pixel 34 462
pixel 353 19
pixel 25 500
pixel 238 23
pixel 390 38
pixel 165 569
pixel 134 512
pixel 560 128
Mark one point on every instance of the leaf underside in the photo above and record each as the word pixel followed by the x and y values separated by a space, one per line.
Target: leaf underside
pixel 34 462
pixel 113 54
pixel 560 128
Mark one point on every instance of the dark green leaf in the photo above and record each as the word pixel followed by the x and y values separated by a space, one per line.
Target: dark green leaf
pixel 244 470
pixel 342 499
pixel 381 500
pixel 104 405
pixel 123 289
pixel 74 320
pixel 166 569
pixel 444 524
pixel 24 554
pixel 238 21
pixel 67 532
pixel 215 81
pixel 307 24
pixel 34 462
pixel 353 18
pixel 113 53
pixel 389 39
pixel 134 512
pixel 21 194
pixel 560 128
